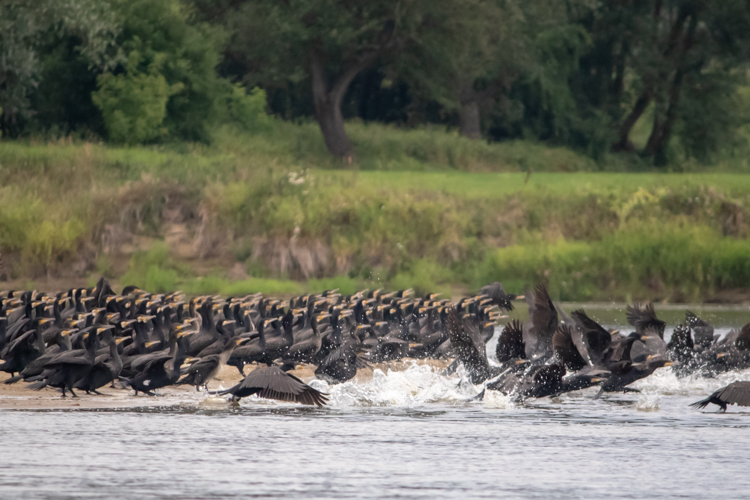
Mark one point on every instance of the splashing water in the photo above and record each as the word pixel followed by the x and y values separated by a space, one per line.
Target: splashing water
pixel 648 402
pixel 664 382
pixel 422 384
pixel 417 385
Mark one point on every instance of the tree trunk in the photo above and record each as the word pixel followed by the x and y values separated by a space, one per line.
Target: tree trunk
pixel 651 81
pixel 623 142
pixel 331 123
pixel 471 101
pixel 468 120
pixel 328 110
pixel 617 85
pixel 662 131
pixel 327 102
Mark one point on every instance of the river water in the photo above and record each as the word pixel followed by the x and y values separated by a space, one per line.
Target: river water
pixel 406 434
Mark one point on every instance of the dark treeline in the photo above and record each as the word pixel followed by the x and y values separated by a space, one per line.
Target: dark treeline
pixel 580 73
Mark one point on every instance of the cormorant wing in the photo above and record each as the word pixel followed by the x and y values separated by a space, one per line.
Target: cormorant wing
pixel 65 356
pixel 595 337
pixel 204 363
pixel 20 340
pixel 681 339
pixel 273 383
pixel 496 292
pixel 742 341
pixel 464 336
pixel 145 359
pixel 735 393
pixel 693 320
pixel 565 350
pixel 643 316
pixel 703 333
pixel 543 315
pixel 510 343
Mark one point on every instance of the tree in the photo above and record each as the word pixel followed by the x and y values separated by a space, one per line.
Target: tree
pixel 133 103
pixel 325 42
pixel 22 25
pixel 471 50
pixel 189 53
pixel 663 49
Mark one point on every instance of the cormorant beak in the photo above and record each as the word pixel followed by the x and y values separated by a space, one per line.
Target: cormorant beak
pixel 150 343
pixel 645 337
pixel 119 340
pixel 721 354
pixel 597 380
pixel 520 297
pixel 668 363
pixel 190 361
pixel 522 361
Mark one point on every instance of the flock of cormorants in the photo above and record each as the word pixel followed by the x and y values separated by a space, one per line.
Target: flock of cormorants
pixel 86 338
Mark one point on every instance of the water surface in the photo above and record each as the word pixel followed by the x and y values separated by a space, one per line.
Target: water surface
pixel 408 434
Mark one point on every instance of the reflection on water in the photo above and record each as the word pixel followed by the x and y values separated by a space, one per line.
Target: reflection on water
pixel 413 433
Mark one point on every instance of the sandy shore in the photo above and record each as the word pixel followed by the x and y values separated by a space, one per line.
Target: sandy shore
pixel 18 397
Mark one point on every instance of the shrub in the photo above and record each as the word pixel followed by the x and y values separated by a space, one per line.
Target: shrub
pixel 154 270
pixel 249 110
pixel 134 104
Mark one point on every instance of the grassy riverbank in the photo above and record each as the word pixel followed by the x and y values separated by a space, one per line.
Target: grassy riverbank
pixel 420 208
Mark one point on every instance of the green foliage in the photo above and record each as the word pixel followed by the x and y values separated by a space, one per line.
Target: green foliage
pixel 398 228
pixel 711 120
pixel 22 24
pixel 673 262
pixel 154 270
pixel 249 110
pixel 185 55
pixel 52 239
pixel 424 276
pixel 134 104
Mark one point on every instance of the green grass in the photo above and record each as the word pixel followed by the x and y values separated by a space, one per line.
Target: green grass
pixel 420 208
pixel 497 185
pixel 681 264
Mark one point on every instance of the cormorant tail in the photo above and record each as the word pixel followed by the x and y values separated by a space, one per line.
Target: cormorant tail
pixel 38 385
pixel 701 404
